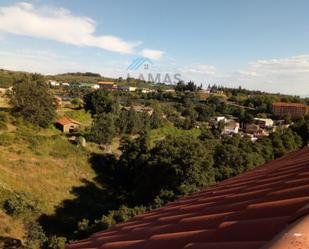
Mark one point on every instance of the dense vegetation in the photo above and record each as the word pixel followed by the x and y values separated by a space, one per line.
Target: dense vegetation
pixel 174 151
pixel 33 101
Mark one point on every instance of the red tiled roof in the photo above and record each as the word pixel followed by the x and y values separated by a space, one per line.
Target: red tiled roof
pixel 244 212
pixel 289 104
pixel 65 121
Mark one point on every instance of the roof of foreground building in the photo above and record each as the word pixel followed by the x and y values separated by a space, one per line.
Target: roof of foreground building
pixel 265 208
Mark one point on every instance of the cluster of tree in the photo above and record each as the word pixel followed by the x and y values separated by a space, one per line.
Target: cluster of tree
pixel 181 86
pixel 88 74
pixel 301 127
pixel 150 175
pixel 110 119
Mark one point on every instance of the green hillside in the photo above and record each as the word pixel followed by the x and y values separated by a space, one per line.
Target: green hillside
pixel 7 77
pixel 41 163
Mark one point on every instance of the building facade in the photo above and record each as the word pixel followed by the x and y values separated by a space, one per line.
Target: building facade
pixel 293 109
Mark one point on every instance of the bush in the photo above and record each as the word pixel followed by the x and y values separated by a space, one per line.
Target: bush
pixel 77 102
pixel 116 216
pixel 56 242
pixel 164 197
pixel 20 204
pixel 36 237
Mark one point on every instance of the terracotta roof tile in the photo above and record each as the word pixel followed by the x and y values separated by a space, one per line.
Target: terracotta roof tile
pixel 244 212
pixel 226 245
pixel 288 104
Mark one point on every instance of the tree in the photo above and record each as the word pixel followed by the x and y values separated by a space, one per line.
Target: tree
pixel 132 122
pixel 235 155
pixel 181 164
pixel 133 160
pixel 181 86
pixel 103 129
pixel 156 120
pixel 33 101
pixel 77 102
pixel 284 141
pixel 191 86
pixel 99 102
pixel 206 134
pixel 302 129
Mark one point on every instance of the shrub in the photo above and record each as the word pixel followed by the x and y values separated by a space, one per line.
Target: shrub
pixel 77 102
pixel 20 204
pixel 36 237
pixel 164 197
pixel 122 214
pixel 56 242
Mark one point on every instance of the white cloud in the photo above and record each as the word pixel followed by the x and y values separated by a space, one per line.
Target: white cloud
pixel 152 54
pixel 49 62
pixel 36 61
pixel 294 64
pixel 61 25
pixel 202 69
pixel 286 75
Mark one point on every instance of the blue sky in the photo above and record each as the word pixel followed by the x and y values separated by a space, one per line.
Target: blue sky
pixel 257 44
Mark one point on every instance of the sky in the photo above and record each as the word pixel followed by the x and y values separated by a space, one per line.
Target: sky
pixel 261 45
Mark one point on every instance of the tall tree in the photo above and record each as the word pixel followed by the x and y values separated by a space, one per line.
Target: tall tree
pixel 33 101
pixel 103 129
pixel 99 102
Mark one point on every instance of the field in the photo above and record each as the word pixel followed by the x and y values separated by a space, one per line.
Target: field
pixel 160 133
pixel 41 163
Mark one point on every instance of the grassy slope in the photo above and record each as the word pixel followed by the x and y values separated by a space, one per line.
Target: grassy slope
pixel 8 77
pixel 42 163
pixel 169 129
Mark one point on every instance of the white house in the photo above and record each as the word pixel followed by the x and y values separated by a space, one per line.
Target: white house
pixel 53 83
pixel 171 90
pixel 127 88
pixel 147 90
pixel 95 86
pixel 264 122
pixel 220 118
